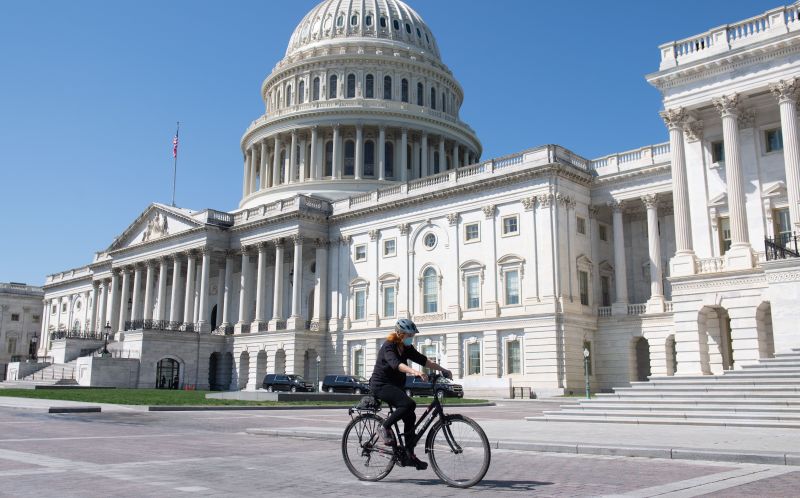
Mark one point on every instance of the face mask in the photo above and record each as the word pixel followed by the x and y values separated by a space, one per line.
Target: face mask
pixel 408 341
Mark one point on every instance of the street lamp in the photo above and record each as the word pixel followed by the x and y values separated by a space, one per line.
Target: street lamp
pixel 586 370
pixel 107 329
pixel 34 348
pixel 316 386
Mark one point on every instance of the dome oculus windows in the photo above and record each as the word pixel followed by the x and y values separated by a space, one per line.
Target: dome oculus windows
pixel 429 241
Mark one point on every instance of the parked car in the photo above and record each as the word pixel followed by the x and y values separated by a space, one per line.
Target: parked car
pixel 286 382
pixel 345 384
pixel 415 386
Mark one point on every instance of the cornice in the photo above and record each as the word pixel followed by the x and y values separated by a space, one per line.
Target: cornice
pixel 638 172
pixel 726 280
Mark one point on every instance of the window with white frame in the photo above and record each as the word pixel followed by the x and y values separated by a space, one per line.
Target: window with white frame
pixel 359 365
pixel 510 267
pixel 389 295
pixel 361 252
pixel 717 152
pixel 580 225
pixel 63 307
pixel 511 285
pixel 54 309
pixel 773 140
pixel 389 248
pixel 783 227
pixel 430 291
pixel 360 304
pixel 513 357
pixel 510 225
pixel 472 232
pixel 473 288
pixel 473 358
pixel 429 350
pixel 724 235
pixel 605 290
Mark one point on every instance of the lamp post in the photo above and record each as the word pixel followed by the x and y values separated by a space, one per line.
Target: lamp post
pixel 107 329
pixel 34 347
pixel 586 370
pixel 316 386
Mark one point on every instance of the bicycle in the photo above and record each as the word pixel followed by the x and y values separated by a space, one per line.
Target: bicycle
pixel 457 447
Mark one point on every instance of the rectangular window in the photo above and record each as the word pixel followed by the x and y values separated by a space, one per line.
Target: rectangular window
pixel 773 139
pixel 53 311
pixel 361 252
pixel 583 280
pixel 35 318
pixel 14 317
pixel 472 232
pixel 605 290
pixel 64 308
pixel 511 225
pixel 430 353
pixel 473 292
pixel 360 304
pixel 389 248
pixel 512 287
pixel 580 225
pixel 783 229
pixel 513 361
pixel 718 151
pixel 587 346
pixel 603 231
pixel 474 358
pixel 358 363
pixel 724 235
pixel 12 346
pixel 388 301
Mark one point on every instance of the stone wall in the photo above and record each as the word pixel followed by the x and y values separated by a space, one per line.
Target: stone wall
pixel 93 371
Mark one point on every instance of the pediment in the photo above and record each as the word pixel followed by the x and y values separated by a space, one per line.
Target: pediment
pixel 719 201
pixel 774 189
pixel 156 222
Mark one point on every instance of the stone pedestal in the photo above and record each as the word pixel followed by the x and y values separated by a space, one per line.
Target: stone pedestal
pixel 683 264
pixel 739 257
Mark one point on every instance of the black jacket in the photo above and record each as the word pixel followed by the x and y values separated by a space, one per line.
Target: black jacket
pixel 387 367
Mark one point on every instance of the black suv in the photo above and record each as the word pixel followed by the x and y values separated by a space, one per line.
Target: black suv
pixel 415 386
pixel 345 384
pixel 286 382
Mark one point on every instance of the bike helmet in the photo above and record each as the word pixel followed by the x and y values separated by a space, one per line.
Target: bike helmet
pixel 405 326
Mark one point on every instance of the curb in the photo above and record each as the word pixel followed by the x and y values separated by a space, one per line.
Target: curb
pixel 770 458
pixel 74 409
pixel 179 408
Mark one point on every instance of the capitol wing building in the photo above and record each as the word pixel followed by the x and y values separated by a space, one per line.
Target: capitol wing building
pixel 365 199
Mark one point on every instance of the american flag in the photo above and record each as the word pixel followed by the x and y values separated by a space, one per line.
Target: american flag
pixel 175 145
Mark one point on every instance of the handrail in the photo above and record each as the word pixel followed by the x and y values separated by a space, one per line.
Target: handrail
pixel 782 246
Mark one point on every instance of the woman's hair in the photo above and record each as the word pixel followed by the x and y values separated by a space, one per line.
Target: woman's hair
pixel 394 337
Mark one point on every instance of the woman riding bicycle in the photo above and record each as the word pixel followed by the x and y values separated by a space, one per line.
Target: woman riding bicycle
pixel 388 379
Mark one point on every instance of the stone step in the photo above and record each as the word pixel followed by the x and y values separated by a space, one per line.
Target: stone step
pixel 773 416
pixel 703 388
pixel 755 374
pixel 705 400
pixel 669 421
pixel 651 393
pixel 772 367
pixel 786 356
pixel 681 407
pixel 727 381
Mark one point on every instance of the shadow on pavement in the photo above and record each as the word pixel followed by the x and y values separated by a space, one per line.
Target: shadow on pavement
pixel 486 484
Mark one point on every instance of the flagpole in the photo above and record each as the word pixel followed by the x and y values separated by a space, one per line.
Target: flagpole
pixel 175 162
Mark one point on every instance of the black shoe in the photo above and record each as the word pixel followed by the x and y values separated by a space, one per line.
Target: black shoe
pixel 413 461
pixel 386 436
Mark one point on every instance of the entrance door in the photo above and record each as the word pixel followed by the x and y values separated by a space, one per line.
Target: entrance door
pixel 642 359
pixel 168 374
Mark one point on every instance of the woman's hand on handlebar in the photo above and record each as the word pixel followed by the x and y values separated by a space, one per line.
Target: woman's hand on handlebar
pixel 421 375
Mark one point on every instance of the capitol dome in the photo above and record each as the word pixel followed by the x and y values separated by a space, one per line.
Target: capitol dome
pixel 360 101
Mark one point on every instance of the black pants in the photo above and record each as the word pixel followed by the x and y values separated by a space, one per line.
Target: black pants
pixel 404 408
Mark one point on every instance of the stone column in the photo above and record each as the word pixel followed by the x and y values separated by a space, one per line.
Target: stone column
pixel 455 156
pixel 175 298
pixel 148 290
pixel 382 153
pixel 161 306
pixel 424 156
pixel 205 270
pixel 404 155
pixel 466 157
pixel 442 156
pixel 314 168
pixel 293 159
pixel 95 308
pixel 620 304
pixel 263 166
pixel 276 162
pixel 277 307
pixel 656 302
pixel 359 157
pixel 225 312
pixel 115 300
pixel 123 305
pixel 337 153
pixel 261 276
pixel 319 320
pixel 786 92
pixel 296 321
pixel 244 288
pixel 136 306
pixel 44 338
pixel 246 173
pixel 740 255
pixel 684 262
pixel 303 161
pixel 253 167
pixel 103 302
pixel 188 305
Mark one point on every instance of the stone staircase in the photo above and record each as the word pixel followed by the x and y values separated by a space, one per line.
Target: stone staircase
pixel 55 374
pixel 764 394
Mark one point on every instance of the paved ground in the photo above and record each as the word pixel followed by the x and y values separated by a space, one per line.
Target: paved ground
pixel 135 453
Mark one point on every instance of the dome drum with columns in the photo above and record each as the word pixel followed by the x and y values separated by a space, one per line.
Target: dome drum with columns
pixel 355 107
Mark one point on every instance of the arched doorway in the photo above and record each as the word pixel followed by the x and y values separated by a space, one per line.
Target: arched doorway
pixel 244 369
pixel 213 320
pixel 168 374
pixel 671 355
pixel 642 350
pixel 766 341
pixel 225 371
pixel 261 367
pixel 280 362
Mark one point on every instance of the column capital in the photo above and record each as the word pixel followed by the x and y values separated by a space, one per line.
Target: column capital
pixel 262 247
pixel 321 243
pixel 727 105
pixel 452 218
pixel 248 250
pixel 403 228
pixel 650 201
pixel 230 253
pixel 785 90
pixel 528 203
pixel 593 210
pixel 190 254
pixel 545 200
pixel 345 240
pixel 488 211
pixel 616 206
pixel 279 242
pixel 693 130
pixel 374 234
pixel 164 260
pixel 674 118
pixel 151 263
pixel 297 239
pixel 117 271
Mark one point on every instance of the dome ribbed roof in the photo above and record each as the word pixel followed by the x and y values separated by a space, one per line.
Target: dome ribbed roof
pixel 345 20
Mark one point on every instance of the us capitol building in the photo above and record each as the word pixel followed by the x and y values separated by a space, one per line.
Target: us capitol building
pixel 365 199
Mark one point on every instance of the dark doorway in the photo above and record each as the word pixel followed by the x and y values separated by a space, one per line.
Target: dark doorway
pixel 168 374
pixel 213 364
pixel 213 320
pixel 642 359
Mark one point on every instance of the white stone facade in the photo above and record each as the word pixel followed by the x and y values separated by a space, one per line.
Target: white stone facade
pixel 20 322
pixel 362 204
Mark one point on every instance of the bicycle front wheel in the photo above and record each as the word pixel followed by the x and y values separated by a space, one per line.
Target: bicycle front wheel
pixel 459 451
pixel 363 453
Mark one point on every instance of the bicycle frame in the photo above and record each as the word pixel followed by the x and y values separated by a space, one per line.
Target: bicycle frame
pixel 434 411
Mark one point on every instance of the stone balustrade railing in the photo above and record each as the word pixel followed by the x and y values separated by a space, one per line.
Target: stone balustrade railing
pixel 69 275
pixel 637 309
pixel 300 202
pixel 632 159
pixel 710 265
pixel 604 311
pixel 668 307
pixel 771 24
pixel 21 289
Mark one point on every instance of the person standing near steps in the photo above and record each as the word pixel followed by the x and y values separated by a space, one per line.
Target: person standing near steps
pixel 388 380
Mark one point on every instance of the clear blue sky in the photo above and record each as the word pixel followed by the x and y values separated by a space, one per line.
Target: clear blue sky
pixel 90 92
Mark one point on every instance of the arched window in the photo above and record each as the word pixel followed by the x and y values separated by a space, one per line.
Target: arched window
pixel 433 98
pixel 383 22
pixel 353 20
pixel 289 100
pixel 301 92
pixel 435 162
pixel 408 28
pixel 387 88
pixel 420 94
pixel 315 89
pixel 369 90
pixel 404 90
pixel 368 20
pixel 430 291
pixel 334 80
pixel 388 159
pixel 351 87
pixel 328 159
pixel 396 24
pixel 278 100
pixel 369 158
pixel 340 21
pixel 349 158
pixel 444 103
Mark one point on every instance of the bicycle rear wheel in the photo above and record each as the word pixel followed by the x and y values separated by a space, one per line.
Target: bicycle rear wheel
pixel 459 451
pixel 363 454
